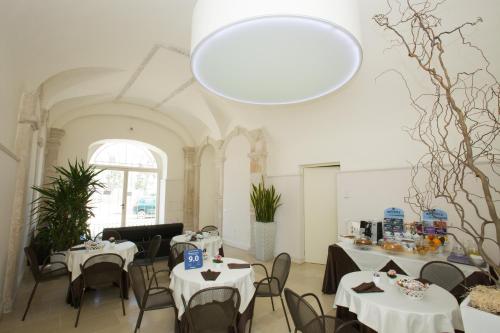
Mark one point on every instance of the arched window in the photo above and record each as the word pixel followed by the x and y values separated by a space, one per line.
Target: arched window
pixel 124 154
pixel 131 177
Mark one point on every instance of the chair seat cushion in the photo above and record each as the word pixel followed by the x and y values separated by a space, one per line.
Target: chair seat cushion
pixel 263 289
pixel 53 271
pixel 159 300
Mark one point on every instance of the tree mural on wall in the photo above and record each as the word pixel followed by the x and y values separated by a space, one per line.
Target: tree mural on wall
pixel 458 120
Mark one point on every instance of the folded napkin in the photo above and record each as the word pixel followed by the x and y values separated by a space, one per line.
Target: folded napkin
pixel 367 287
pixel 238 266
pixel 210 275
pixel 77 248
pixel 424 281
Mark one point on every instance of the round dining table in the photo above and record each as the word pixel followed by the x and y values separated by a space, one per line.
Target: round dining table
pixel 78 255
pixel 391 311
pixel 210 243
pixel 187 282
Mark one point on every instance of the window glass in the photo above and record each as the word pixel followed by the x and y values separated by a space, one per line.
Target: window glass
pixel 124 154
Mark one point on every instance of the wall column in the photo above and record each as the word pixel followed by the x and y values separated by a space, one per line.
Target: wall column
pixel 51 153
pixel 220 158
pixel 196 196
pixel 189 188
pixel 258 158
pixel 27 124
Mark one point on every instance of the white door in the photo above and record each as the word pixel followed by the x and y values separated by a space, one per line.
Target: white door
pixel 320 211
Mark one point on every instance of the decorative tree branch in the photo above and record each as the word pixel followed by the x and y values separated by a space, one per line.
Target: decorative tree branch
pixel 458 123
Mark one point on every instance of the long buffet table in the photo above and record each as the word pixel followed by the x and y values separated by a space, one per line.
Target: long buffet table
pixel 344 258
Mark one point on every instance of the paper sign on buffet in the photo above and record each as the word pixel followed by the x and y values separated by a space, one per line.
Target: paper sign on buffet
pixel 393 221
pixel 435 222
pixel 193 259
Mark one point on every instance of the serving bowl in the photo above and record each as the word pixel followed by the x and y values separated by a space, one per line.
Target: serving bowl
pixel 363 243
pixel 413 289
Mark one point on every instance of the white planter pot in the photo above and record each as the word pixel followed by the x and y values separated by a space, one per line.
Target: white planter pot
pixel 265 234
pixel 477 321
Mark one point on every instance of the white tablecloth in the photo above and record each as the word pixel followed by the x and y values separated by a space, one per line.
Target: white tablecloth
pixel 74 258
pixel 393 312
pixel 188 282
pixel 212 243
pixel 374 259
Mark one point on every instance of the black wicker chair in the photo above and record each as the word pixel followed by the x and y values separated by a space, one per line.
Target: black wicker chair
pixel 307 320
pixel 245 320
pixel 210 228
pixel 276 282
pixel 147 258
pixel 110 233
pixel 442 273
pixel 150 298
pixel 177 253
pixel 44 272
pixel 99 270
pixel 213 310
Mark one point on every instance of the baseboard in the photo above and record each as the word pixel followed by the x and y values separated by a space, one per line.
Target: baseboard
pixel 298 260
pixel 237 245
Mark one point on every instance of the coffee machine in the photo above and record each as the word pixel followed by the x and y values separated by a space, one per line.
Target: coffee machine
pixel 372 229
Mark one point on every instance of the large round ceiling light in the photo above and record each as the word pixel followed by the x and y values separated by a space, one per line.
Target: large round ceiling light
pixel 275 51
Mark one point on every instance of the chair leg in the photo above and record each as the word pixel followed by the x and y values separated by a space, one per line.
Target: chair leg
pixel 139 320
pixel 29 301
pixel 154 273
pixel 121 296
pixel 286 316
pixel 80 307
pixel 250 328
pixel 147 272
pixel 272 302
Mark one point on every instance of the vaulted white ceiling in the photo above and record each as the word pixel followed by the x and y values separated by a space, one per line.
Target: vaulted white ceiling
pixel 116 51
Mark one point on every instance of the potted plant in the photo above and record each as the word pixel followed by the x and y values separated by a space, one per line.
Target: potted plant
pixel 265 202
pixel 63 208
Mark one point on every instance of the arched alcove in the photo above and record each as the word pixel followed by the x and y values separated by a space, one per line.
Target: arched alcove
pixel 208 188
pixel 236 203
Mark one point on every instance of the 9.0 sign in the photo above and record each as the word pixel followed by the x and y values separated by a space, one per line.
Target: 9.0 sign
pixel 193 259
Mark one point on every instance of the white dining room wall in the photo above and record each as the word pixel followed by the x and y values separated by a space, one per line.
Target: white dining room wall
pixel 236 196
pixel 208 203
pixel 362 124
pixel 82 132
pixel 10 93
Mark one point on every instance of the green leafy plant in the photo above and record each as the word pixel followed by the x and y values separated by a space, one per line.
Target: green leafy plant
pixel 63 208
pixel 265 202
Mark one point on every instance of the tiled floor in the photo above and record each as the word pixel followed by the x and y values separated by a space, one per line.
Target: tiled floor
pixel 102 310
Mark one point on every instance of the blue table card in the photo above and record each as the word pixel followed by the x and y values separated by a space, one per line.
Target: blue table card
pixel 193 259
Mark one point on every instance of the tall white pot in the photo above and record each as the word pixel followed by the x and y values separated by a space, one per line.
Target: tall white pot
pixel 477 321
pixel 265 234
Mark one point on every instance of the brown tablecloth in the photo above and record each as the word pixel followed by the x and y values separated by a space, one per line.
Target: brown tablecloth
pixel 339 264
pixel 76 286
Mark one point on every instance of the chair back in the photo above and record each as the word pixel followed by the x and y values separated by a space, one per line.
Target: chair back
pixel 101 269
pixel 138 282
pixel 281 269
pixel 210 228
pixel 442 273
pixel 153 248
pixel 177 253
pixel 111 233
pixel 292 301
pixel 33 262
pixel 213 309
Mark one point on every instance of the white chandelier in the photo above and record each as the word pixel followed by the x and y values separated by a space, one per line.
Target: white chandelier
pixel 275 51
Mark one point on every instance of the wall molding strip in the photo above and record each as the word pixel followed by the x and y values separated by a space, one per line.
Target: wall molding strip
pixel 8 152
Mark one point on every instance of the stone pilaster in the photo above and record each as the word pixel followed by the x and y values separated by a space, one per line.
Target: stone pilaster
pixel 27 124
pixel 189 188
pixel 196 196
pixel 220 158
pixel 52 146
